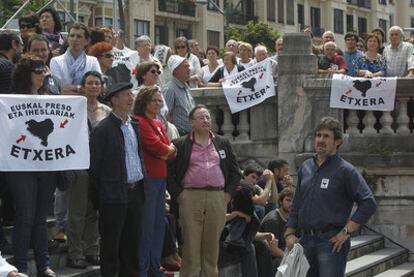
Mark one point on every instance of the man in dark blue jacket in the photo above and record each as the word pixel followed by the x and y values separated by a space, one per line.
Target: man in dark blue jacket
pixel 327 189
pixel 116 184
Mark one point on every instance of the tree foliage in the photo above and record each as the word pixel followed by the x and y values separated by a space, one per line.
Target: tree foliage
pixel 9 7
pixel 257 32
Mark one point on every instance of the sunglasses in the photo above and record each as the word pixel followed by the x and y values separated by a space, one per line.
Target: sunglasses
pixel 26 25
pixel 153 71
pixel 39 70
pixel 108 56
pixel 181 47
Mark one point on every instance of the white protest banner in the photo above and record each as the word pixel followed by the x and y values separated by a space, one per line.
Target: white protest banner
pixel 43 133
pixel 249 87
pixel 376 94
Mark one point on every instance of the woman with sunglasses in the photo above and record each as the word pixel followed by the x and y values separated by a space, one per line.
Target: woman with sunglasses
pixel 182 49
pixel 157 148
pixel 28 25
pixel 31 191
pixel 147 74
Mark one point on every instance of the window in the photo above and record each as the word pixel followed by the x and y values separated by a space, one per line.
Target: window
pixel 290 12
pixel 213 38
pixel 382 23
pixel 211 6
pixel 141 28
pixel 161 35
pixel 183 33
pixel 382 2
pixel 411 3
pixel 98 21
pixel 338 21
pixel 62 17
pixel 362 26
pixel 301 15
pixel 281 11
pixel 412 22
pixel 349 23
pixel 316 20
pixel 271 10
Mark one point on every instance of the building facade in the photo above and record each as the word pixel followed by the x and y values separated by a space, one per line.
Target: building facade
pixel 164 20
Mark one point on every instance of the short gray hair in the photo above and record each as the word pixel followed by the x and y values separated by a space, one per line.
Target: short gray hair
pixel 396 28
pixel 142 39
pixel 260 48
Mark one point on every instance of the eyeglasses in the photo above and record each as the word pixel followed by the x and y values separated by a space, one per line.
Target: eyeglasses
pixel 153 71
pixel 108 56
pixel 26 25
pixel 180 47
pixel 39 70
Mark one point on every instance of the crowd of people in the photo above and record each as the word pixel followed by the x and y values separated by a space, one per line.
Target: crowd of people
pixel 163 192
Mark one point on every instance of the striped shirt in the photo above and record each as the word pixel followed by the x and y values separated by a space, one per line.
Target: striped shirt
pixel 132 160
pixel 180 103
pixel 399 59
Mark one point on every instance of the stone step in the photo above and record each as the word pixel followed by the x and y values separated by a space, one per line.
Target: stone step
pixel 402 270
pixel 364 244
pixel 376 262
pixel 91 271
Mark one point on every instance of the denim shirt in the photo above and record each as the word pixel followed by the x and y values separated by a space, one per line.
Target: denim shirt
pixel 325 195
pixel 132 160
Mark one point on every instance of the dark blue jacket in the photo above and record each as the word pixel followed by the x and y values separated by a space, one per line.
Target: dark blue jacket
pixel 107 172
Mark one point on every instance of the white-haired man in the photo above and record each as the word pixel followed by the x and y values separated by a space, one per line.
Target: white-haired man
pixel 330 62
pixel 326 37
pixel 260 54
pixel 399 54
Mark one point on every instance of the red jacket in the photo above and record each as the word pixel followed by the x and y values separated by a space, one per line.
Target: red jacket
pixel 155 144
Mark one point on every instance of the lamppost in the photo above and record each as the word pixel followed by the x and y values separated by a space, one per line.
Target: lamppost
pixel 224 12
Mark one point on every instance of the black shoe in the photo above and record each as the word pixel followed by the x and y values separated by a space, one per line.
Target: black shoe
pixel 93 259
pixel 47 273
pixel 77 263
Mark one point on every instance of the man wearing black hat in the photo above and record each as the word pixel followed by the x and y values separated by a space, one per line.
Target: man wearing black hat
pixel 116 183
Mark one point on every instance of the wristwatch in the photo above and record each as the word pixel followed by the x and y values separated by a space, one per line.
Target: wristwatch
pixel 345 231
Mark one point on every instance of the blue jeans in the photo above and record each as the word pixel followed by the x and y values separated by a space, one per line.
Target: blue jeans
pixel 153 228
pixel 61 209
pixel 318 251
pixel 33 196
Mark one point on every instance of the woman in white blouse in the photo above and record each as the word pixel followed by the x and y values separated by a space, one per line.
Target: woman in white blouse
pixel 230 67
pixel 208 70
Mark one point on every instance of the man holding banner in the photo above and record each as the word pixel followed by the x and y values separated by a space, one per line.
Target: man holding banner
pixel 249 87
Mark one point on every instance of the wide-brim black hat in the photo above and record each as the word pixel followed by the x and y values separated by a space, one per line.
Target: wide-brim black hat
pixel 116 88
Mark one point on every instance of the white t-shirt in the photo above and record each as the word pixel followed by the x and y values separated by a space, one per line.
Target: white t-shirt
pixel 124 56
pixel 206 74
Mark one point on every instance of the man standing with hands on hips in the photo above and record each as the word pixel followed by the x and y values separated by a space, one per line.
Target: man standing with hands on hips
pixel 327 188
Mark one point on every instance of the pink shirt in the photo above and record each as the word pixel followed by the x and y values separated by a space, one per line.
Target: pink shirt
pixel 204 168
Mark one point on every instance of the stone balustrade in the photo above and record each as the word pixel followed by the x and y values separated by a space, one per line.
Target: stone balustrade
pixel 253 132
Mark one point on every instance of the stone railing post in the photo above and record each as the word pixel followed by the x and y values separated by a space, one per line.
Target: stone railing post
pixel 294 110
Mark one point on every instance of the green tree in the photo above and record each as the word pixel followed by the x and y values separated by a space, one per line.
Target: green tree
pixel 257 32
pixel 9 7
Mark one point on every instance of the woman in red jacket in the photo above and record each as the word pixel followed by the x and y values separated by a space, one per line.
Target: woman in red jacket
pixel 157 149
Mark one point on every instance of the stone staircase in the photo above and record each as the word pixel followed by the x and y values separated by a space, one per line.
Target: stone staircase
pixel 374 255
pixel 58 257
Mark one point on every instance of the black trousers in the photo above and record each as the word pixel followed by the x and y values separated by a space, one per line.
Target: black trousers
pixel 119 230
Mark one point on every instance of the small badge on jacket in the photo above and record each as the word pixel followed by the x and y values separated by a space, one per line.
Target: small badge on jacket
pixel 222 154
pixel 324 183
